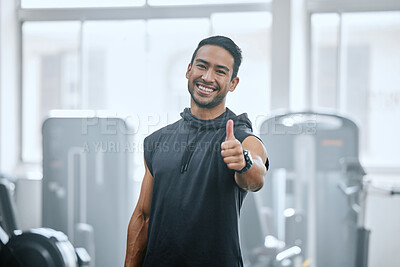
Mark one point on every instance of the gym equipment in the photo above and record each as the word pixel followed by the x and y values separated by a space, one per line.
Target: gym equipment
pixel 41 247
pixel 7 215
pixel 88 183
pixel 259 247
pixel 315 174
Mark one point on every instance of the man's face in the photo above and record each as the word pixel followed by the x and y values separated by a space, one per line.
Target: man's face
pixel 209 78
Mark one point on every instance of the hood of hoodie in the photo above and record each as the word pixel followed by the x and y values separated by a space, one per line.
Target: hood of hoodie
pixel 196 125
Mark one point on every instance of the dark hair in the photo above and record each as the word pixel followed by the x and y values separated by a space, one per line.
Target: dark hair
pixel 225 43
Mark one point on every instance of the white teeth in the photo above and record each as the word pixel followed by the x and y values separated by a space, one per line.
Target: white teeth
pixel 205 89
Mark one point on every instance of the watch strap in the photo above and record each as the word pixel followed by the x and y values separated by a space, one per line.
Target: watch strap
pixel 248 160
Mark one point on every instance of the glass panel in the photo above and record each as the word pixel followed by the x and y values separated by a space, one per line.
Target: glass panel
pixel 171 44
pixel 252 33
pixel 370 80
pixel 325 38
pixel 200 2
pixel 79 3
pixel 369 67
pixel 133 68
pixel 50 77
pixel 114 76
pixel 137 69
pixel 113 60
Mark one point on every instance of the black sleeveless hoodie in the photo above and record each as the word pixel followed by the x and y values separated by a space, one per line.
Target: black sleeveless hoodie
pixel 196 202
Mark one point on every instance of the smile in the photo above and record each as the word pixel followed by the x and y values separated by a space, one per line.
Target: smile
pixel 204 89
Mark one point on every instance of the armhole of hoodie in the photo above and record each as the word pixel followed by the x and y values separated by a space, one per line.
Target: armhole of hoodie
pixel 243 134
pixel 148 152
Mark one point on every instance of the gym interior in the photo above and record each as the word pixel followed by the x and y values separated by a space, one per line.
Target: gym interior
pixel 82 83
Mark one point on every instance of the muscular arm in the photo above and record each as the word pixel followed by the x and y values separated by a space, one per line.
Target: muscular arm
pixel 138 225
pixel 253 179
pixel 232 152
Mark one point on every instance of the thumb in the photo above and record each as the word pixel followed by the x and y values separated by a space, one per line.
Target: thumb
pixel 229 130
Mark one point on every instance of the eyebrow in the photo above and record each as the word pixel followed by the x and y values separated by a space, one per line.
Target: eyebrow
pixel 218 66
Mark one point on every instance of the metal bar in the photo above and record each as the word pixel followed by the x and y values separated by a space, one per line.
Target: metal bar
pixel 382 170
pixel 19 87
pixel 83 188
pixel 280 55
pixel 144 12
pixel 352 6
pixel 339 66
pixel 279 186
pixel 309 103
pixel 84 103
pixel 70 191
pixel 1 88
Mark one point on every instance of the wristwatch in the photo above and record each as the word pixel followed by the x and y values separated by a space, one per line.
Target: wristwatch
pixel 249 161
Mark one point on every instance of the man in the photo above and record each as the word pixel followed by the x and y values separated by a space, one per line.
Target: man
pixel 198 171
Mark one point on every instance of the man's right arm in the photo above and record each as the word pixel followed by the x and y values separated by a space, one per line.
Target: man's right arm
pixel 139 223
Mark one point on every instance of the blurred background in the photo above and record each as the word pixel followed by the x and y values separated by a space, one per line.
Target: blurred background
pixel 114 71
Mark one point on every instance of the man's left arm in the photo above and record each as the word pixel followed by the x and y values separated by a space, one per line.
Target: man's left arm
pixel 232 152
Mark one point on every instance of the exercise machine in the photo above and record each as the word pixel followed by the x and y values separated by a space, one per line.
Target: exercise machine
pixel 41 247
pixel 314 195
pixel 88 189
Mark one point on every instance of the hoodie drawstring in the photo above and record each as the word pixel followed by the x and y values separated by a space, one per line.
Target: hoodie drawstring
pixel 194 123
pixel 189 149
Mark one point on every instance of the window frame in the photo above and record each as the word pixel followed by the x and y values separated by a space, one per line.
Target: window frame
pixel 145 12
pixel 342 7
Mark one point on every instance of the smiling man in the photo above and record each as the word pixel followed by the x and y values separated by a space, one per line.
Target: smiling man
pixel 189 205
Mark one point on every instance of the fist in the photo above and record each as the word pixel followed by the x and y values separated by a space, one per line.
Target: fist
pixel 231 150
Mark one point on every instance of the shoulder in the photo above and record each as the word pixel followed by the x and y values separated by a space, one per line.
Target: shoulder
pixel 256 146
pixel 169 129
pixel 242 126
pixel 155 140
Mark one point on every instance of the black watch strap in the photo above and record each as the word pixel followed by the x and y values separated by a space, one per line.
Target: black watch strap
pixel 248 160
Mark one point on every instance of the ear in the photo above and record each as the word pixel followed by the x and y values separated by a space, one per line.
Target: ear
pixel 187 71
pixel 233 84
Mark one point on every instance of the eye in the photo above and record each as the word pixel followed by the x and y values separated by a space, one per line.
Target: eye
pixel 221 72
pixel 201 66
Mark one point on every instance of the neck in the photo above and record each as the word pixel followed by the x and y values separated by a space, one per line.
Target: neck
pixel 207 114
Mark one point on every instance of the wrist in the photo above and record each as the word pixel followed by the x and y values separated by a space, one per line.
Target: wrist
pixel 248 162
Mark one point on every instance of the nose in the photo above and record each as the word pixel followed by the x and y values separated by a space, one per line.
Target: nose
pixel 208 75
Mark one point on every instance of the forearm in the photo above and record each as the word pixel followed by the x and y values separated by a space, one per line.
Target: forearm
pixel 137 240
pixel 253 179
pixel 232 151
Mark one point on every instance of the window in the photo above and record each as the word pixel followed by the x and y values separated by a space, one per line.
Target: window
pixel 50 77
pixel 252 32
pixel 325 30
pixel 200 2
pixel 79 3
pixel 356 61
pixel 114 57
pixel 133 68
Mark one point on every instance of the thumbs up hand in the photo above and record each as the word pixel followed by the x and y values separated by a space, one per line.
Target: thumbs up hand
pixel 231 149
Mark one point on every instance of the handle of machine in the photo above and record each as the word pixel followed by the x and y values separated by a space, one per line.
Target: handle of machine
pixel 351 192
pixel 288 253
pixel 352 169
pixel 73 153
pixel 83 257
